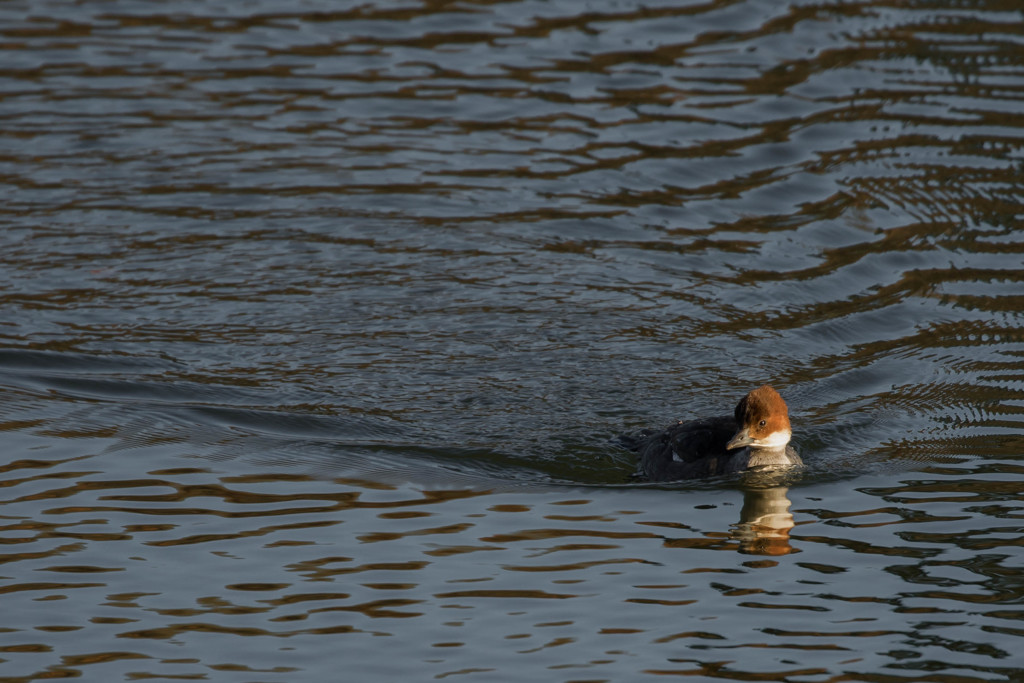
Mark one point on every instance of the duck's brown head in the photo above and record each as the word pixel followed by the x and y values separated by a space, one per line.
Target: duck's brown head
pixel 763 420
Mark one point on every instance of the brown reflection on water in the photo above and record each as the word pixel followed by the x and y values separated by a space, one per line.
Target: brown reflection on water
pixel 763 527
pixel 765 522
pixel 540 570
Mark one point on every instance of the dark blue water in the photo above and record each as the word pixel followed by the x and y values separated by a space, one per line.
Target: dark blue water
pixel 318 324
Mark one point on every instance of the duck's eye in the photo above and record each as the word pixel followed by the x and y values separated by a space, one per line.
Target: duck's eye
pixel 761 423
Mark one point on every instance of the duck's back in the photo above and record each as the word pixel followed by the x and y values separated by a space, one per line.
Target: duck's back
pixel 689 450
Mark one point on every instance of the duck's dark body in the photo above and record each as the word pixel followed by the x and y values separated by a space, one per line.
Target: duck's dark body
pixel 696 449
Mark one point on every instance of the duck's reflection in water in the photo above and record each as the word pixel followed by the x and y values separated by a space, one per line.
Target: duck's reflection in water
pixel 765 522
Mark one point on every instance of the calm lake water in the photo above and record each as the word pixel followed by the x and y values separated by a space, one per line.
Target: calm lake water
pixel 319 320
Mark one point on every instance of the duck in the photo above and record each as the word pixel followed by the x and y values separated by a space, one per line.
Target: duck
pixel 755 437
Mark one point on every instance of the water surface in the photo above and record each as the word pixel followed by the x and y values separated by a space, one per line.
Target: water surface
pixel 319 323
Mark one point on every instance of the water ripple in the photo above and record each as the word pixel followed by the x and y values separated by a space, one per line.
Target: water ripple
pixel 323 321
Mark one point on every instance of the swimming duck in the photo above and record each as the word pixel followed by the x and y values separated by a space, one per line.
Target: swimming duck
pixel 755 436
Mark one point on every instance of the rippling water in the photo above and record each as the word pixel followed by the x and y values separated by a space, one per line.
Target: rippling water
pixel 319 321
